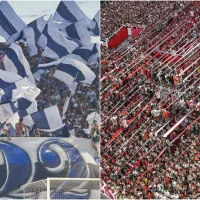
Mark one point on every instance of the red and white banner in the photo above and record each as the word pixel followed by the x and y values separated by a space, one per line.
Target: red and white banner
pixel 134 31
pixel 118 37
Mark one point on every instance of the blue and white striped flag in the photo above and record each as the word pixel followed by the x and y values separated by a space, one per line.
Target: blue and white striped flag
pixel 69 12
pixel 96 30
pixel 87 54
pixel 54 43
pixel 10 22
pixel 49 118
pixel 9 109
pixel 30 35
pixel 21 88
pixel 8 78
pixel 78 32
pixel 72 90
pixel 71 70
pixel 41 68
pixel 38 26
pixel 15 61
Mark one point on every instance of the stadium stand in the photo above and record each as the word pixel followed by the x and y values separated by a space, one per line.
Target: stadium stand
pixel 150 114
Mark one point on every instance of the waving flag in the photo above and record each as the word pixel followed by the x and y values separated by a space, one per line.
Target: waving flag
pixel 88 54
pixel 10 22
pixel 49 118
pixel 30 35
pixel 15 61
pixel 54 43
pixel 38 26
pixel 22 88
pixel 71 70
pixel 96 30
pixel 78 32
pixel 41 68
pixel 69 12
pixel 8 78
pixel 9 109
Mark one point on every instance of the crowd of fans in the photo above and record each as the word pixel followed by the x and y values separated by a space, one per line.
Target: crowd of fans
pixel 137 14
pixel 54 92
pixel 150 102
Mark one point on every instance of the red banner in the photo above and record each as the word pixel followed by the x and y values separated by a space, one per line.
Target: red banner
pixel 136 31
pixel 118 38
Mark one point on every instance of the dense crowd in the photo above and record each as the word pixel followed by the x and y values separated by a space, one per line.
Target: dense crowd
pixel 54 92
pixel 139 14
pixel 150 104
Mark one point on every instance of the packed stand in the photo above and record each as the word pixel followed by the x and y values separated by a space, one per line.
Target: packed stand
pixel 54 92
pixel 139 14
pixel 150 112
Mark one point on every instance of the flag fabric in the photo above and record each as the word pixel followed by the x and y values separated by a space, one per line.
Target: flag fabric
pixel 71 70
pixel 96 30
pixel 66 104
pixel 94 58
pixel 69 12
pixel 18 90
pixel 2 127
pixel 38 26
pixel 15 61
pixel 90 119
pixel 9 109
pixel 88 54
pixel 54 43
pixel 49 118
pixel 8 78
pixel 30 35
pixel 78 32
pixel 10 22
pixel 18 98
pixel 72 90
pixel 41 68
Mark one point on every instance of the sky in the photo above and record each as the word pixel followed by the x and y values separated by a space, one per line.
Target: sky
pixel 30 10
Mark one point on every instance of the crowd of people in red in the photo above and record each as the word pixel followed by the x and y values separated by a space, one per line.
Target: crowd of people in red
pixel 150 102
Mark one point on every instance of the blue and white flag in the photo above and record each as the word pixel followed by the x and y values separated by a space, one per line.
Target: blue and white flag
pixel 71 70
pixel 41 68
pixel 49 118
pixel 54 43
pixel 38 26
pixel 88 55
pixel 78 32
pixel 72 90
pixel 30 35
pixel 15 61
pixel 10 22
pixel 69 12
pixel 22 88
pixel 8 78
pixel 9 109
pixel 66 104
pixel 96 30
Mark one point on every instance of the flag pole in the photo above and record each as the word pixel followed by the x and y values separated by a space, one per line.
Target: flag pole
pixel 68 97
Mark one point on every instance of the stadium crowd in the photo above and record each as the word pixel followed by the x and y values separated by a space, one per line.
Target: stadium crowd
pixel 54 92
pixel 150 103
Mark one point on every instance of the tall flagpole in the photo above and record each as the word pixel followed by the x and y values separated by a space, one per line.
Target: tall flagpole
pixel 65 107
